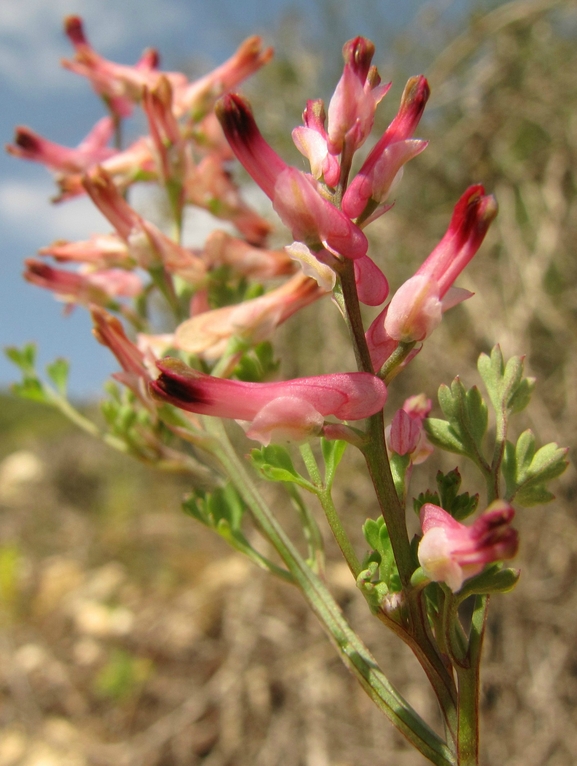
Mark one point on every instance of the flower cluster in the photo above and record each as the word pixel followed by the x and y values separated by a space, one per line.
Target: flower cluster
pixel 228 297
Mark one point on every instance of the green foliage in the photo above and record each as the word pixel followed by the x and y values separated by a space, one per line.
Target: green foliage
pixel 379 577
pixel 257 364
pixel 495 578
pixel 466 423
pixel 508 390
pixel 274 463
pixel 460 506
pixel 527 470
pixel 333 451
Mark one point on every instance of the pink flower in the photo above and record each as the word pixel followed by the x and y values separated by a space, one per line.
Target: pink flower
pixel 417 307
pixel 296 196
pixel 99 287
pixel 352 107
pixel 209 185
pixel 451 552
pixel 198 97
pixel 406 435
pixel 138 368
pixel 169 145
pixel 146 243
pixel 292 409
pixel 221 249
pixel 255 320
pixel 28 145
pixel 312 141
pixel 101 251
pixel 120 86
pixel 383 166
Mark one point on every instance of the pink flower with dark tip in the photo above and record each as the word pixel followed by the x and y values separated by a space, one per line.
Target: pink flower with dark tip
pixel 296 196
pixel 352 107
pixel 93 150
pixel 451 552
pixel 384 165
pixel 292 409
pixel 418 305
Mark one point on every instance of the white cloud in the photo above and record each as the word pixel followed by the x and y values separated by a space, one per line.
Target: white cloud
pixel 32 40
pixel 26 214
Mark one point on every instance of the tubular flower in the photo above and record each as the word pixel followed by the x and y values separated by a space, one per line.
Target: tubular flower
pixel 255 320
pixel 417 307
pixel 221 249
pixel 352 107
pixel 292 409
pixel 147 244
pixel 210 186
pixel 101 251
pixel 406 435
pixel 120 86
pixel 311 141
pixel 198 97
pixel 383 166
pixel 99 287
pixel 92 150
pixel 296 196
pixel 451 552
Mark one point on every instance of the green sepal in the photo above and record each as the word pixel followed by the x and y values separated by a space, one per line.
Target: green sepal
pixel 333 451
pixel 274 463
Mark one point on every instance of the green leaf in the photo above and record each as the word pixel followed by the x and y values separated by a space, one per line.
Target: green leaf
pixel 460 506
pixel 477 414
pixel 493 579
pixel 509 470
pixel 442 434
pixel 333 451
pixel 524 453
pixel 31 388
pixel 491 369
pixel 399 466
pixel 533 494
pixel 274 464
pixel 522 396
pixel 24 358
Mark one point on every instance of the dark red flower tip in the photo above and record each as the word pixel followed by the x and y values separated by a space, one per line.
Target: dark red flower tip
pixel 74 30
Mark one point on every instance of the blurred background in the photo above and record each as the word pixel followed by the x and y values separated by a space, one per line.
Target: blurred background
pixel 130 635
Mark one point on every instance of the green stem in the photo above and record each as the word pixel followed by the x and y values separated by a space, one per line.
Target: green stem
pixel 468 731
pixel 325 498
pixel 417 634
pixel 351 649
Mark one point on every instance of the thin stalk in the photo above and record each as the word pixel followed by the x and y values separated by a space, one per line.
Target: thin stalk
pixel 418 634
pixel 468 732
pixel 325 498
pixel 351 649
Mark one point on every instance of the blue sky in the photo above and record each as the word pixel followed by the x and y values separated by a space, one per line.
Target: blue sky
pixel 37 92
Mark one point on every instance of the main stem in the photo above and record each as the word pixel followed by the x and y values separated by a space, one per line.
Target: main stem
pixel 351 649
pixel 417 633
